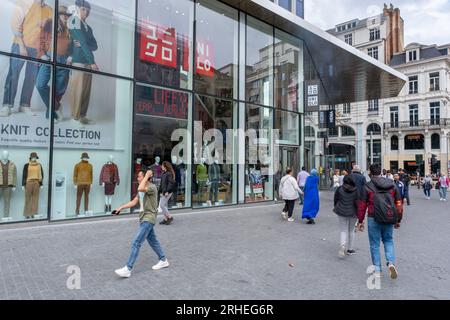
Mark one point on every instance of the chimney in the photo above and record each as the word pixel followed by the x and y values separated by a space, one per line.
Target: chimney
pixel 395 32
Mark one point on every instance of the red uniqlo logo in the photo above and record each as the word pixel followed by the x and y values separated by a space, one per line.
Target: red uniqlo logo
pixel 204 58
pixel 158 44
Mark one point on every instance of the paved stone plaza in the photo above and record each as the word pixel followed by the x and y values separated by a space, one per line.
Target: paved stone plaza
pixel 228 253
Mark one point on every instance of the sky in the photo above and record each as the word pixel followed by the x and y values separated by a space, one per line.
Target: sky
pixel 426 21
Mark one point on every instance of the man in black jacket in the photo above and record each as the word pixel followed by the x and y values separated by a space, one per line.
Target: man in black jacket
pixel 406 180
pixel 359 179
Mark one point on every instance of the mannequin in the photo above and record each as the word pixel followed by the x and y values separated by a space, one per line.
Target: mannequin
pixel 8 181
pixel 32 178
pixel 182 170
pixel 135 184
pixel 174 198
pixel 82 179
pixel 109 179
pixel 214 179
pixel 157 171
pixel 206 153
pixel 202 178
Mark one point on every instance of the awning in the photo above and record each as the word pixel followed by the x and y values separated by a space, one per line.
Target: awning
pixel 347 74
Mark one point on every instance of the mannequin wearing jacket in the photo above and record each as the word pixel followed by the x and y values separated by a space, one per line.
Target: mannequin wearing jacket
pixel 202 178
pixel 109 179
pixel 82 179
pixel 157 171
pixel 8 181
pixel 32 178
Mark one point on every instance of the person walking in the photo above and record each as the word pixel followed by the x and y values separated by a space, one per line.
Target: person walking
pixel 443 187
pixel 346 208
pixel 389 175
pixel 336 180
pixel 383 203
pixel 147 199
pixel 312 202
pixel 400 186
pixel 301 181
pixel 166 190
pixel 289 192
pixel 406 180
pixel 342 176
pixel 427 186
pixel 358 178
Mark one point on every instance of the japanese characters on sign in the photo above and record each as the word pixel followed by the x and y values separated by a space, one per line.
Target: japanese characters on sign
pixel 312 96
pixel 159 46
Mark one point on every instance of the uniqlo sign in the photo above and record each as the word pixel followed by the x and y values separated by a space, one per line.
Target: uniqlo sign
pixel 204 58
pixel 158 44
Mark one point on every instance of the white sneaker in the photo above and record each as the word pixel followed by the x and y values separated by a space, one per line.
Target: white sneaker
pixel 27 110
pixel 161 264
pixel 342 251
pixel 123 272
pixel 291 220
pixel 440 199
pixel 284 215
pixel 393 273
pixel 5 111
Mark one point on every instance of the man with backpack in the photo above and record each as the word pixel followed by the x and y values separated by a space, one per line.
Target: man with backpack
pixel 383 202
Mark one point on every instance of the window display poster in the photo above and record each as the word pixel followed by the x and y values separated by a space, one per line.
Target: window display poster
pixel 59 195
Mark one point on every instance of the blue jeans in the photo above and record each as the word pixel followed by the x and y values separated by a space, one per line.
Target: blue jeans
pixel 381 232
pixel 43 79
pixel 443 192
pixel 302 195
pixel 427 192
pixel 12 79
pixel 146 231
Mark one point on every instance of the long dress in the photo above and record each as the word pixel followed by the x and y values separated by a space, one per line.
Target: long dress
pixel 311 205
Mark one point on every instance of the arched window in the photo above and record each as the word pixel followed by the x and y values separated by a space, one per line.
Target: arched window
pixel 394 143
pixel 309 132
pixel 375 128
pixel 435 141
pixel 348 131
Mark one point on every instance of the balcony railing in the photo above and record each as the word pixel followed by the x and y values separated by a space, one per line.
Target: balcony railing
pixel 417 124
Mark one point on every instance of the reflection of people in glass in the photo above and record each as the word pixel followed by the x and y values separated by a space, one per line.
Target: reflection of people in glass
pixel 64 49
pixel 83 57
pixel 27 23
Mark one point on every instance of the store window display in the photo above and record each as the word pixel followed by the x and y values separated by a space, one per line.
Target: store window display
pixel 29 20
pixel 214 171
pixel 158 115
pixel 164 43
pixel 102 36
pixel 258 177
pixel 105 146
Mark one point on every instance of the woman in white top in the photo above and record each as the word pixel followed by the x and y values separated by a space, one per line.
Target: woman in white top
pixel 289 192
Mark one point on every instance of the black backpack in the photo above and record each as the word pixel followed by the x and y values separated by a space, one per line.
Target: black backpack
pixel 385 211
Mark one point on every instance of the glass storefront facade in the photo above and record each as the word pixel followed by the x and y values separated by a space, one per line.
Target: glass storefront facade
pixel 93 91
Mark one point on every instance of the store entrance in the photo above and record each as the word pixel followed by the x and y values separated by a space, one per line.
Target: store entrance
pixel 288 157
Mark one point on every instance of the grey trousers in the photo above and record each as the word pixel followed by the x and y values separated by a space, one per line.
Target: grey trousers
pixel 5 194
pixel 164 203
pixel 347 228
